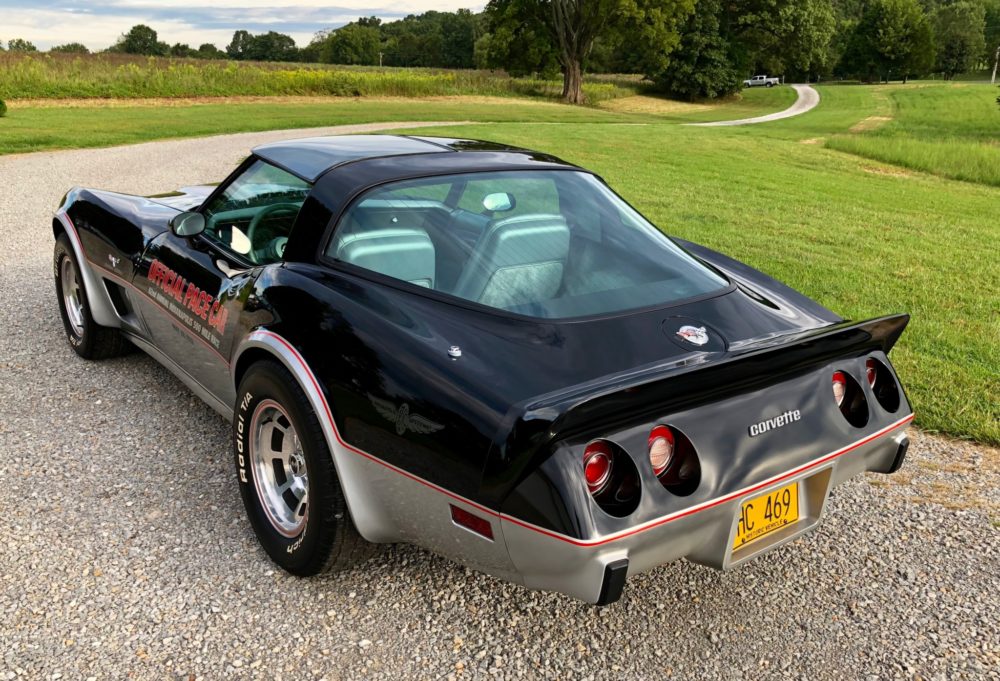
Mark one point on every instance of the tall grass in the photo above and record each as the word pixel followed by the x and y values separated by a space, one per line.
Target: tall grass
pixel 952 130
pixel 120 76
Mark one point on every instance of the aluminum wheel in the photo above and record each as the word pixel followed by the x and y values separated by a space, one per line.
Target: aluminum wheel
pixel 72 296
pixel 279 468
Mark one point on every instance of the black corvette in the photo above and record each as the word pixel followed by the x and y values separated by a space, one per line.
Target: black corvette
pixel 484 351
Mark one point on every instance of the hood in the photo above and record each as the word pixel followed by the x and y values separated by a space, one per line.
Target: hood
pixel 185 198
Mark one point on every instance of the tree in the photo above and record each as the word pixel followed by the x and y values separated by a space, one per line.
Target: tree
pixel 2 48
pixel 273 46
pixel 787 37
pixel 458 33
pixel 704 66
pixel 893 38
pixel 141 39
pixel 19 45
pixel 353 43
pixel 723 42
pixel 181 50
pixel 517 46
pixel 240 46
pixel 71 48
pixel 572 27
pixel 992 30
pixel 270 46
pixel 208 51
pixel 958 32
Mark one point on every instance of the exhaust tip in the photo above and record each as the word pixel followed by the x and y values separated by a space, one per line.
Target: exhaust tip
pixel 897 463
pixel 615 573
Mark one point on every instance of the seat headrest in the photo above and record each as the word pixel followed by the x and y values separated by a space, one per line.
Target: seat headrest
pixel 400 252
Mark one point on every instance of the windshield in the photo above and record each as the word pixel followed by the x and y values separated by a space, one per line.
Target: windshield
pixel 550 244
pixel 254 214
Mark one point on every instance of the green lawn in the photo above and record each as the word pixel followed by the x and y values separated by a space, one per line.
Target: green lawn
pixel 862 237
pixel 949 129
pixel 37 128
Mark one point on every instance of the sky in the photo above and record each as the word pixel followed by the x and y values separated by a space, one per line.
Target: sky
pixel 97 24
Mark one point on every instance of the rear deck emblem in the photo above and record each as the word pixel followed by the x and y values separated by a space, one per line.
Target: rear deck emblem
pixel 696 335
pixel 402 417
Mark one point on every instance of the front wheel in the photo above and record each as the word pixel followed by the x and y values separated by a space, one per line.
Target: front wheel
pixel 88 339
pixel 287 477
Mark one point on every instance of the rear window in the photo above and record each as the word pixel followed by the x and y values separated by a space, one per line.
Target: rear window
pixel 549 244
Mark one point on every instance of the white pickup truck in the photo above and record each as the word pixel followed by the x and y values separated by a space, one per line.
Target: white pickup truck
pixel 758 81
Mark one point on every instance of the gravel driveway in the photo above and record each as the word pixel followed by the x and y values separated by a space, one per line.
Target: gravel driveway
pixel 807 100
pixel 124 549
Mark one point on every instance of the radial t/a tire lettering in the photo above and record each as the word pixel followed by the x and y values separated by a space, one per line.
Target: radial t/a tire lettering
pixel 88 339
pixel 287 477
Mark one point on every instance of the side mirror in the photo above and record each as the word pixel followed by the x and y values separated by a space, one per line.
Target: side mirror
pixel 187 224
pixel 499 202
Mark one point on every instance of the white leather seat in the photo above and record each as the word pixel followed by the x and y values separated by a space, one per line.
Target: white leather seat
pixel 517 260
pixel 398 252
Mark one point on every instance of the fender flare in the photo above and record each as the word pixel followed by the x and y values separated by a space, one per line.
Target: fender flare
pixel 98 299
pixel 370 518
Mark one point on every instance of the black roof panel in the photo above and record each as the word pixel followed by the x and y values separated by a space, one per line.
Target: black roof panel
pixel 311 157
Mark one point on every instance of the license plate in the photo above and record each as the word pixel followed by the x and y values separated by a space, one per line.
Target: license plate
pixel 765 514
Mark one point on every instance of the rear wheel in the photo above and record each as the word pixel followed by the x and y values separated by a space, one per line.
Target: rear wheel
pixel 287 478
pixel 88 339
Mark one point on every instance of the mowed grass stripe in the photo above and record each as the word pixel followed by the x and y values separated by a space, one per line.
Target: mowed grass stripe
pixel 952 130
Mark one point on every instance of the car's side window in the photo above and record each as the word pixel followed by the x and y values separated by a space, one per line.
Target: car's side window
pixel 254 214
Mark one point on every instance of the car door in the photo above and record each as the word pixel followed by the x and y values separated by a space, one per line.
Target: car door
pixel 197 286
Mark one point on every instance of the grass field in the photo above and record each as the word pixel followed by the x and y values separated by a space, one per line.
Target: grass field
pixel 861 236
pixel 36 127
pixel 951 130
pixel 41 76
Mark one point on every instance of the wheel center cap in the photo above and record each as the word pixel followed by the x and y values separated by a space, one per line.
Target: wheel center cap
pixel 297 464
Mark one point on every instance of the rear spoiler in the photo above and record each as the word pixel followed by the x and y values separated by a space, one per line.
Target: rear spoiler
pixel 619 399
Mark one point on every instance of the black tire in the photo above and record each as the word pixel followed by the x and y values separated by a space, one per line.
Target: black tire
pixel 770 85
pixel 88 339
pixel 327 540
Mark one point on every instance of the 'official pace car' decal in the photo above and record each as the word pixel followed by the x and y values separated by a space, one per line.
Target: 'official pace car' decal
pixel 402 417
pixel 696 335
pixel 169 288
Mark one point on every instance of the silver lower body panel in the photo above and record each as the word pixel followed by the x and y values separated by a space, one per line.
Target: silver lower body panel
pixel 577 567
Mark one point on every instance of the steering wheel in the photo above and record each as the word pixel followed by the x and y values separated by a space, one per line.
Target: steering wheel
pixel 268 211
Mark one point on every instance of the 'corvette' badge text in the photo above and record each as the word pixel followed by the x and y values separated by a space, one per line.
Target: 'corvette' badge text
pixel 777 422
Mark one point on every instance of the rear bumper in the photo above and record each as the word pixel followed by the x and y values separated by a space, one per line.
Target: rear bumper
pixel 594 570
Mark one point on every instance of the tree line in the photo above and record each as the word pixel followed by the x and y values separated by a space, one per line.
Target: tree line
pixel 693 49
pixel 704 48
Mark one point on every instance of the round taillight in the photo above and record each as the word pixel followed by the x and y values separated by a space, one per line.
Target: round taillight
pixel 871 370
pixel 597 466
pixel 839 387
pixel 661 449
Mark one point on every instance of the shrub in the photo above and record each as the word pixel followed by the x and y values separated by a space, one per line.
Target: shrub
pixel 3 109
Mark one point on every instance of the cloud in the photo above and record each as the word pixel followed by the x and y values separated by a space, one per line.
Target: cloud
pixel 98 24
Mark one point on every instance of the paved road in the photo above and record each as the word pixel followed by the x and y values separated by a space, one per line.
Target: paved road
pixel 807 100
pixel 124 549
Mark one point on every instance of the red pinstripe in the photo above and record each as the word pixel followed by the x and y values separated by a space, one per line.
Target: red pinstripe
pixel 555 535
pixel 502 516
